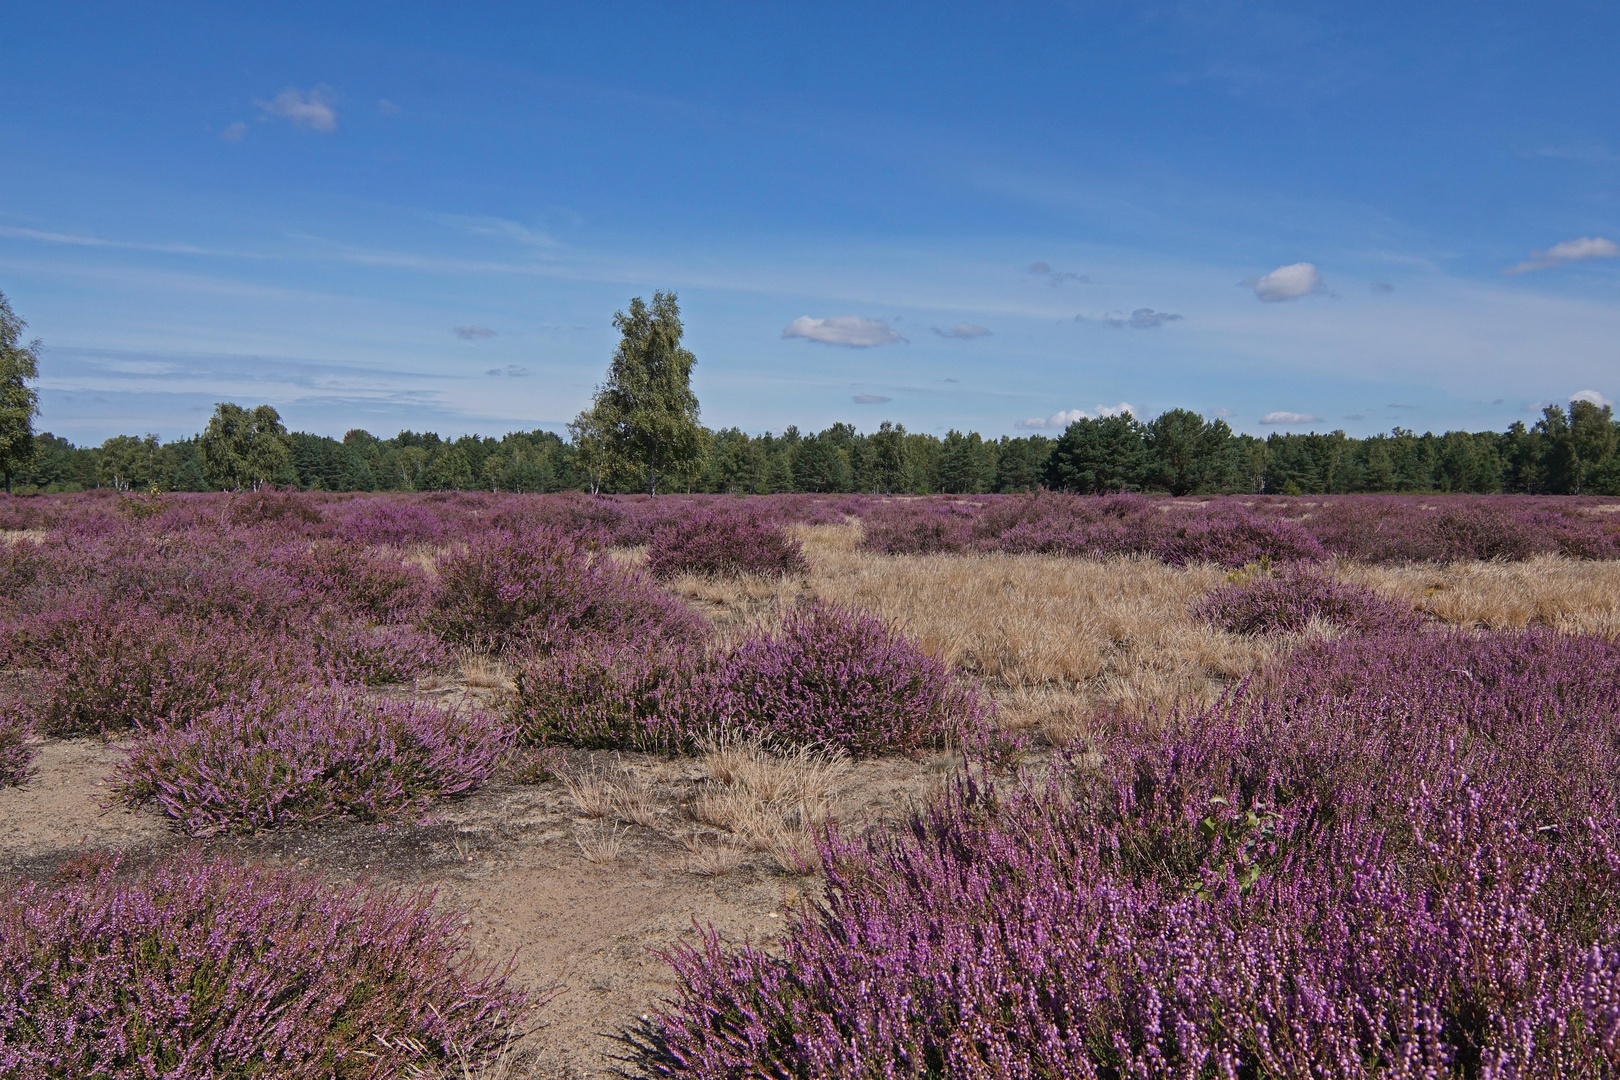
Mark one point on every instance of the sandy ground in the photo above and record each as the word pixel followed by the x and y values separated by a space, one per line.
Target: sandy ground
pixel 584 904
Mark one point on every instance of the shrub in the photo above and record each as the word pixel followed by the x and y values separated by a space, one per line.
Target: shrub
pixel 840 678
pixel 1237 538
pixel 365 583
pixel 634 696
pixel 546 590
pixel 1290 601
pixel 1402 859
pixel 722 544
pixel 272 760
pixel 16 753
pixel 109 669
pixel 197 968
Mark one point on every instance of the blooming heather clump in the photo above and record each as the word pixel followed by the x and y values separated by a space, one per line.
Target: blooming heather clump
pixel 16 755
pixel 1236 538
pixel 195 968
pixel 1402 859
pixel 546 590
pixel 840 678
pixel 723 544
pixel 636 696
pixel 1291 601
pixel 274 760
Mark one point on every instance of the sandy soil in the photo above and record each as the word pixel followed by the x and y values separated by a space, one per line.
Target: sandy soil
pixel 584 904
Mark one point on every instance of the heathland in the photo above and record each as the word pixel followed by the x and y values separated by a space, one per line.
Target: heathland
pixel 312 784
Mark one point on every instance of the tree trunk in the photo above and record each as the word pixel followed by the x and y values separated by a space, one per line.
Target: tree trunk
pixel 652 481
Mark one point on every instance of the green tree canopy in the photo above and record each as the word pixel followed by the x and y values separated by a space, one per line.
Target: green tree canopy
pixel 646 411
pixel 19 402
pixel 1098 456
pixel 246 448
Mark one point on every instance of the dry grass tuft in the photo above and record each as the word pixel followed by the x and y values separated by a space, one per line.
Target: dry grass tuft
pixel 484 673
pixel 623 795
pixel 603 847
pixel 771 801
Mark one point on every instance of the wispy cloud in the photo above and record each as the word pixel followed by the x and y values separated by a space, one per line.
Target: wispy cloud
pixel 870 399
pixel 1593 396
pixel 514 371
pixel 1382 287
pixel 234 131
pixel 1582 247
pixel 311 110
pixel 1290 418
pixel 472 333
pixel 1287 283
pixel 963 331
pixel 1142 319
pixel 502 228
pixel 850 330
pixel 1056 277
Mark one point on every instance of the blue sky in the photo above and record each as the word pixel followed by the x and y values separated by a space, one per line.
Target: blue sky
pixel 990 217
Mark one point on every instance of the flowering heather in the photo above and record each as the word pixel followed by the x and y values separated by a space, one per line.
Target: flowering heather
pixel 16 755
pixel 546 590
pixel 1292 600
pixel 1401 859
pixel 723 544
pixel 205 969
pixel 837 677
pixel 637 695
pixel 273 760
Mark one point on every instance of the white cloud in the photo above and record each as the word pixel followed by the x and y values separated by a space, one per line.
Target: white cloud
pixel 1287 283
pixel 1066 417
pixel 234 132
pixel 1222 413
pixel 963 330
pixel 1142 319
pixel 851 330
pixel 468 333
pixel 515 371
pixel 1290 418
pixel 870 399
pixel 312 110
pixel 1593 396
pixel 1582 247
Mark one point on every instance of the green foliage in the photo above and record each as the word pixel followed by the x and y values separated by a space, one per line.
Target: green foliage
pixel 19 402
pixel 645 413
pixel 244 448
pixel 1099 456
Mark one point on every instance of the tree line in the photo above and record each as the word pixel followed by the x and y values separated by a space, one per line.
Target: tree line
pixel 642 433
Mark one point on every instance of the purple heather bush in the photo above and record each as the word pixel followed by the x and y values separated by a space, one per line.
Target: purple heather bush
pixel 211 969
pixel 1290 601
pixel 831 676
pixel 723 544
pixel 638 695
pixel 546 590
pixel 16 752
pixel 840 678
pixel 1399 855
pixel 273 760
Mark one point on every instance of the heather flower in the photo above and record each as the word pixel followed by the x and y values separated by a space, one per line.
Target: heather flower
pixel 546 590
pixel 16 751
pixel 1291 601
pixel 272 760
pixel 1396 855
pixel 208 968
pixel 640 695
pixel 834 676
pixel 723 544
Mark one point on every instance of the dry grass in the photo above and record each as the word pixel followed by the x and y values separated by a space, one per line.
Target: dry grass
pixel 1054 639
pixel 484 673
pixel 1568 595
pixel 769 801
